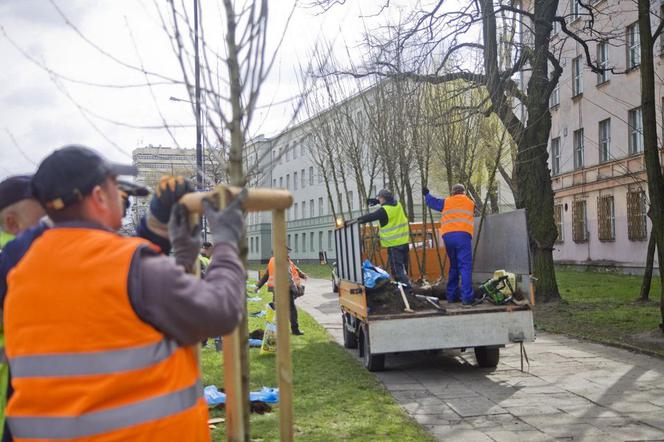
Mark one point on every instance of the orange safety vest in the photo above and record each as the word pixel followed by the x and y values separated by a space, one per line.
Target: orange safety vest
pixel 85 367
pixel 294 273
pixel 458 212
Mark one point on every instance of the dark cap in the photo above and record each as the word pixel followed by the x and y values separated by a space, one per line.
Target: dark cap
pixel 384 193
pixel 132 189
pixel 70 173
pixel 14 189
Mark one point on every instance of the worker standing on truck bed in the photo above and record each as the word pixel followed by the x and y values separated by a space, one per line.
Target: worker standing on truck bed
pixel 102 335
pixel 456 228
pixel 296 288
pixel 394 233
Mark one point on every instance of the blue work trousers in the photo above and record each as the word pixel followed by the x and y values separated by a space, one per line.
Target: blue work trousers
pixel 460 252
pixel 398 257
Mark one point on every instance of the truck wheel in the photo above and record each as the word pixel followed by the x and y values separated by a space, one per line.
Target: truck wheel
pixel 487 357
pixel 335 286
pixel 350 338
pixel 372 362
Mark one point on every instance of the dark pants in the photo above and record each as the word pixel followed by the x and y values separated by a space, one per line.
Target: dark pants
pixel 459 250
pixel 294 325
pixel 398 259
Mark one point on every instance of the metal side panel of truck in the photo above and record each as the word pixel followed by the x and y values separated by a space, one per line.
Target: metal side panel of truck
pixel 503 244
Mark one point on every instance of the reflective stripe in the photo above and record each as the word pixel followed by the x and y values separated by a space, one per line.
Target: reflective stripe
pixel 395 236
pixel 400 226
pixel 457 220
pixel 100 362
pixel 465 212
pixel 104 421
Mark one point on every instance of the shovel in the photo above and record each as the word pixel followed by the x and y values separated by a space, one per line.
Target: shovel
pixel 405 301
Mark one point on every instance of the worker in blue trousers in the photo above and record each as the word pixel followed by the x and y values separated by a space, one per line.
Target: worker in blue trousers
pixel 456 228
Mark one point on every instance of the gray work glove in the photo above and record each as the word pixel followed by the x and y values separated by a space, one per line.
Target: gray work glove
pixel 185 239
pixel 226 224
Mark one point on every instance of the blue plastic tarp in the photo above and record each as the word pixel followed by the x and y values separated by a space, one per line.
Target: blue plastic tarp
pixel 215 397
pixel 372 274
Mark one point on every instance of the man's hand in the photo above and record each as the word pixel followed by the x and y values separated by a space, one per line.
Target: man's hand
pixel 425 191
pixel 185 239
pixel 226 224
pixel 372 202
pixel 168 192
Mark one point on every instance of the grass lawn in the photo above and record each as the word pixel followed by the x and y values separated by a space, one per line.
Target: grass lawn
pixel 603 306
pixel 335 397
pixel 313 270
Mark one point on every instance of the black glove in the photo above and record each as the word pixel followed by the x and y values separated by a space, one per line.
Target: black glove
pixel 226 224
pixel 372 201
pixel 185 239
pixel 425 191
pixel 168 192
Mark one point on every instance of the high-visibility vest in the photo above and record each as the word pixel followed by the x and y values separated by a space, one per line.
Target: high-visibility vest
pixel 292 269
pixel 84 365
pixel 458 213
pixel 5 238
pixel 395 232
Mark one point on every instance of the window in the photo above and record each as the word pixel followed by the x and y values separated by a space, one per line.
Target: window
pixel 329 240
pixel 320 207
pixel 288 181
pixel 311 209
pixel 304 209
pixel 304 180
pixel 554 99
pixel 558 219
pixel 577 77
pixel 633 46
pixel 555 156
pixel 287 155
pixel 320 240
pixel 294 150
pixel 289 242
pixel 635 130
pixel 579 226
pixel 320 178
pixel 274 182
pixel 297 242
pixel 350 200
pixel 555 28
pixel 574 9
pixel 636 215
pixel 606 218
pixel 578 149
pixel 603 61
pixel 311 241
pixel 304 242
pixel 302 151
pixel 281 182
pixel 311 176
pixel 604 140
pixel 295 211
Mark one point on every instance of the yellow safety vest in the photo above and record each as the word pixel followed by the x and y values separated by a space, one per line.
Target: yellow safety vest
pixel 395 232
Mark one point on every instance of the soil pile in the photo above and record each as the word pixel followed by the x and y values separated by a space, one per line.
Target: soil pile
pixel 386 299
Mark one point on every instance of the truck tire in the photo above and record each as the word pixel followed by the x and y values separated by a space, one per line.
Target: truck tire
pixel 335 286
pixel 350 338
pixel 487 357
pixel 371 362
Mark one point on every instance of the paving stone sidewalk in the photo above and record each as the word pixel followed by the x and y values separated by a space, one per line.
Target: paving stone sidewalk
pixel 573 390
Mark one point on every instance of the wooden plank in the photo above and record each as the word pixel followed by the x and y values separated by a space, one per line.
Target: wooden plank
pixel 257 200
pixel 282 307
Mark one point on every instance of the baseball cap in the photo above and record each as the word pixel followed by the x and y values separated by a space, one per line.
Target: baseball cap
pixel 70 173
pixel 384 193
pixel 14 189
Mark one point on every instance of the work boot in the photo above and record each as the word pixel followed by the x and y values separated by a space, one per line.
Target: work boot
pixel 297 332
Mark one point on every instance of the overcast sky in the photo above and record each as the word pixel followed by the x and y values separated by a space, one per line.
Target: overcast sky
pixel 40 111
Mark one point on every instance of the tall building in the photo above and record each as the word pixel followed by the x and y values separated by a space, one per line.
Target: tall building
pixel 596 141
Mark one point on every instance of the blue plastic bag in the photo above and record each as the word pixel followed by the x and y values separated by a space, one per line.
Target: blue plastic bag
pixel 255 342
pixel 213 396
pixel 371 274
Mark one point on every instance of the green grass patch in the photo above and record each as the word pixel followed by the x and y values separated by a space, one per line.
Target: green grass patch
pixel 335 398
pixel 604 307
pixel 317 271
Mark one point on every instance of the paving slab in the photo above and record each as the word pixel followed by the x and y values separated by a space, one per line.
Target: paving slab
pixel 572 389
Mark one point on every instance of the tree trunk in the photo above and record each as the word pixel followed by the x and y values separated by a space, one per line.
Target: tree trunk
pixel 650 149
pixel 647 274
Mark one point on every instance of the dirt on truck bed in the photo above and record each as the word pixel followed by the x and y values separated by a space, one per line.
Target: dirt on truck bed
pixel 386 299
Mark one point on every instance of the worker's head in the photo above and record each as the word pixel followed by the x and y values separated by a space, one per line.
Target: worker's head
pixel 18 209
pixel 458 189
pixel 384 196
pixel 206 249
pixel 75 183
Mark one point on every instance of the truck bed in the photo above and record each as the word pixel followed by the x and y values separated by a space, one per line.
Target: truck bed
pixel 452 310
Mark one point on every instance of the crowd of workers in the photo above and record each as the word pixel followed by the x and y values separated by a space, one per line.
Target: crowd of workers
pixel 99 328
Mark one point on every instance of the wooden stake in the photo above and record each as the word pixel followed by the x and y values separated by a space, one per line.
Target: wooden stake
pixel 282 307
